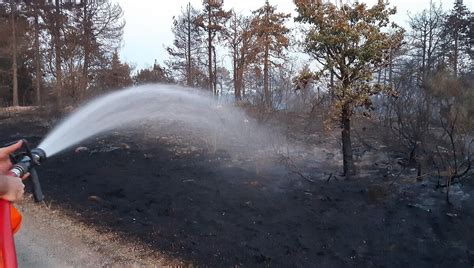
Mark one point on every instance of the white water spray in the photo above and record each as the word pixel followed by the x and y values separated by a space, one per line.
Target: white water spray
pixel 141 104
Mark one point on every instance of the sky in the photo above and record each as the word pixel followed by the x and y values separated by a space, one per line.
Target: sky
pixel 148 24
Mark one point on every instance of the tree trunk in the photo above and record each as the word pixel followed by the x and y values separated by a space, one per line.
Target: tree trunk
pixel 346 143
pixel 423 55
pixel 235 73
pixel 332 89
pixel 188 54
pixel 39 74
pixel 14 54
pixel 87 51
pixel 456 52
pixel 266 91
pixel 209 51
pixel 57 49
pixel 242 84
pixel 429 56
pixel 214 73
pixel 390 72
pixel 238 88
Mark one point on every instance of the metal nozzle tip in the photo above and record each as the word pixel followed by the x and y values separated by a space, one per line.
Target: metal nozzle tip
pixel 39 154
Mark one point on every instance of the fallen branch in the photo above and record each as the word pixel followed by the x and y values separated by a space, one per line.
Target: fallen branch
pixel 331 176
pixel 291 166
pixel 303 176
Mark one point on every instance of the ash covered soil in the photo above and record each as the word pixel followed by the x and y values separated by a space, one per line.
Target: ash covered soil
pixel 205 208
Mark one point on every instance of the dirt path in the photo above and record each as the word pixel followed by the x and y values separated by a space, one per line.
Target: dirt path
pixel 48 238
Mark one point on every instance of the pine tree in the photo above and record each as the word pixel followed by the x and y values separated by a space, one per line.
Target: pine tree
pixel 271 40
pixel 212 20
pixel 240 41
pixel 456 34
pixel 116 75
pixel 157 74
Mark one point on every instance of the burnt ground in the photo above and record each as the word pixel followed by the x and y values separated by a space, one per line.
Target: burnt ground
pixel 201 209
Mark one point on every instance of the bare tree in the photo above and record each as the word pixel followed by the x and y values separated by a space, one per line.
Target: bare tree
pixel 452 145
pixel 426 39
pixel 187 46
pixel 54 19
pixel 241 42
pixel 101 27
pixel 35 6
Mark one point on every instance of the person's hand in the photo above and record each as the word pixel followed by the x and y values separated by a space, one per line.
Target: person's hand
pixel 11 188
pixel 5 164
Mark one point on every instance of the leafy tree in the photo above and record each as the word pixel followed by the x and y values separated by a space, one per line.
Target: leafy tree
pixel 351 42
pixel 271 40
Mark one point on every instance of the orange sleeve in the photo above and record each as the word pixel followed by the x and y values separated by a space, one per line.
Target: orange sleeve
pixel 15 219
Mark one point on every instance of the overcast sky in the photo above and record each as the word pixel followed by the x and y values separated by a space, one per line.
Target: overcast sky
pixel 148 22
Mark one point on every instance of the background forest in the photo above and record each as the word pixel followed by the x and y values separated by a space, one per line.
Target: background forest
pixel 415 83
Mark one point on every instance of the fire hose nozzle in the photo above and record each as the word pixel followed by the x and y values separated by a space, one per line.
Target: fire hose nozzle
pixel 39 156
pixel 25 162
